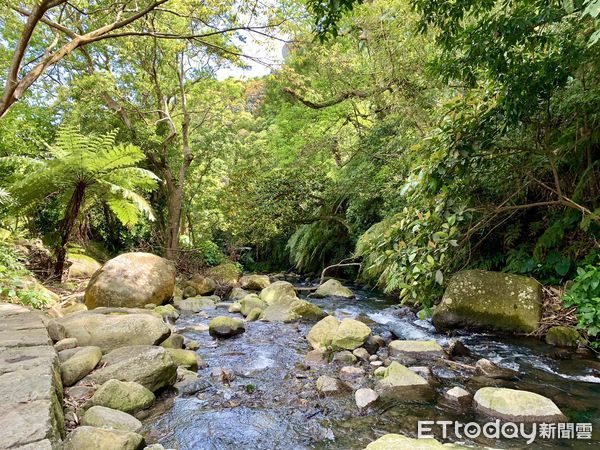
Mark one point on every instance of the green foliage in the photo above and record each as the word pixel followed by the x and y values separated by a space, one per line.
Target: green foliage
pixel 106 171
pixel 15 284
pixel 585 295
pixel 210 253
pixel 327 15
pixel 314 244
pixel 410 252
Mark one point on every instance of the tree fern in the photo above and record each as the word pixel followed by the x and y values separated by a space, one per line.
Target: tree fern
pixel 86 169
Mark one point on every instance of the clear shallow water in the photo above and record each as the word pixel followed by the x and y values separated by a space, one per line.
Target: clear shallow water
pixel 272 402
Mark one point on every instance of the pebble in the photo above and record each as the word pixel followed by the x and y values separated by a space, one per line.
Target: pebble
pixel 376 363
pixel 351 373
pixel 361 353
pixel 373 358
pixel 365 397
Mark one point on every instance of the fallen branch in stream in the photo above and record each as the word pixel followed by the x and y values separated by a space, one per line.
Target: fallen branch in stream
pixel 340 264
pixel 457 365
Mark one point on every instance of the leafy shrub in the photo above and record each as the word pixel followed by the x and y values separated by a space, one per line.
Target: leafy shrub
pixel 410 252
pixel 210 253
pixel 585 295
pixel 14 287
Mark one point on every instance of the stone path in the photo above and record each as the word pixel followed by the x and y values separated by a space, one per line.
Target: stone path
pixel 31 414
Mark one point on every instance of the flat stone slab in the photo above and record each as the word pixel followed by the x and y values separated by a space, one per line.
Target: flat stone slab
pixel 24 358
pixel 31 415
pixel 28 423
pixel 24 338
pixel 17 322
pixel 416 349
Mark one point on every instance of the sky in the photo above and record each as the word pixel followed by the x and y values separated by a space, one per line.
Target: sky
pixel 265 54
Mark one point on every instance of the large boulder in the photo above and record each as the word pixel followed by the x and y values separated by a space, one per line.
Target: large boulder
pixel 398 442
pixel 186 359
pixel 150 366
pixel 237 294
pixel 131 280
pixel 333 288
pixel 290 309
pixel 277 290
pixel 331 333
pixel 224 327
pixel 516 406
pixel 195 304
pixel 124 396
pixel 490 300
pixel 255 282
pixel 102 417
pixel 400 383
pixel 79 365
pixel 225 274
pixel 110 331
pixel 82 266
pixel 249 302
pixel 86 438
pixel 561 336
pixel 202 285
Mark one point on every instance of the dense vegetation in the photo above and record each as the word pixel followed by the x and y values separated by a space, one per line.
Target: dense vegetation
pixel 408 140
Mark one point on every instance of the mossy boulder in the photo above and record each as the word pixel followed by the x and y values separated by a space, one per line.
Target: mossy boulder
pixel 255 282
pixel 82 266
pixel 86 438
pixel 291 309
pixel 150 366
pixel 102 417
pixel 333 288
pixel 166 312
pixel 235 307
pixel 225 274
pixel 184 358
pixel 79 365
pixel 195 304
pixel 224 327
pixel 400 383
pixel 490 300
pixel 516 406
pixel 109 331
pixel 131 280
pixel 254 314
pixel 189 291
pixel 331 333
pixel 276 291
pixel 173 341
pixel 237 294
pixel 561 336
pixel 202 285
pixel 124 396
pixel 249 302
pixel 398 442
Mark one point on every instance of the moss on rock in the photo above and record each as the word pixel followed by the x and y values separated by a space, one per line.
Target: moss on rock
pixel 490 300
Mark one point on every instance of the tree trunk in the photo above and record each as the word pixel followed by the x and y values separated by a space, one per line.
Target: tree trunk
pixel 66 228
pixel 175 202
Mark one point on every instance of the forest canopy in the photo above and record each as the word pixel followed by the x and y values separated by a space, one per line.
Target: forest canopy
pixel 401 139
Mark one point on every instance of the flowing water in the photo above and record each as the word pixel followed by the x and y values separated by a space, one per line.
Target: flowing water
pixel 272 401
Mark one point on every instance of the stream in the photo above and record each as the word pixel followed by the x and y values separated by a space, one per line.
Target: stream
pixel 272 402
